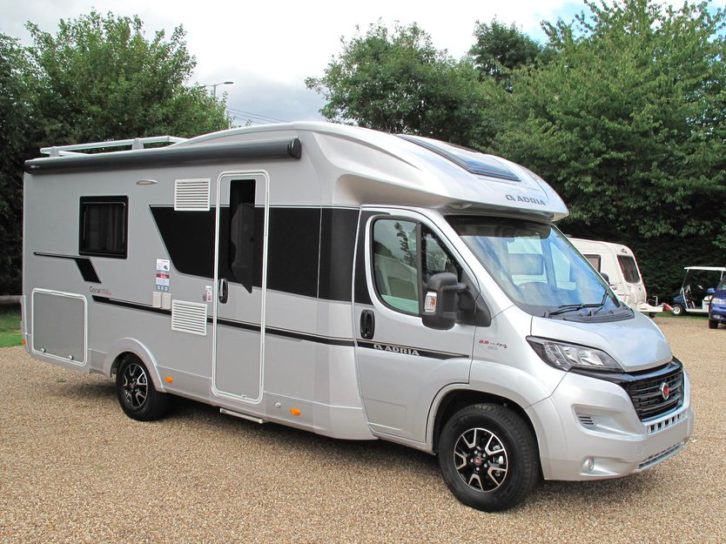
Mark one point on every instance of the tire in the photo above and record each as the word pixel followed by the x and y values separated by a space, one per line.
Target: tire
pixel 712 324
pixel 678 310
pixel 488 457
pixel 136 393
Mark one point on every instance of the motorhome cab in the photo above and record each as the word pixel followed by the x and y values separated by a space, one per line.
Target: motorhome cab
pixel 356 284
pixel 617 264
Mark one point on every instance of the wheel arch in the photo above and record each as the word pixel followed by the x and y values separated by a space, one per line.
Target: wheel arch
pixel 453 400
pixel 126 346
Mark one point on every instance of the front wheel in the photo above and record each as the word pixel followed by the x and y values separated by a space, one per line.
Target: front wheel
pixel 712 324
pixel 678 310
pixel 488 457
pixel 137 395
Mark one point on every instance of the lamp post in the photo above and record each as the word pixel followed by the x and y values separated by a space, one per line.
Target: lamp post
pixel 215 85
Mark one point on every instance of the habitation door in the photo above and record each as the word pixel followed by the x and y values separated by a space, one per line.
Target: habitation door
pixel 240 285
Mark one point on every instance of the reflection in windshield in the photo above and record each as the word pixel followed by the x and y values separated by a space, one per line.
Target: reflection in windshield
pixel 537 267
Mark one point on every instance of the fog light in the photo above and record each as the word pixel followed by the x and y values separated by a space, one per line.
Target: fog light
pixel 589 464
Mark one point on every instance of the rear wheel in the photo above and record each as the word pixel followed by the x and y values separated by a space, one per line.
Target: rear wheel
pixel 712 324
pixel 137 395
pixel 678 310
pixel 488 457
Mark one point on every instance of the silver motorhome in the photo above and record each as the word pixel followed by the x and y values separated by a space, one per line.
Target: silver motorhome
pixel 356 284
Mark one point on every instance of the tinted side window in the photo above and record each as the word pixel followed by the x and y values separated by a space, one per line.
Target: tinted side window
pixel 594 261
pixel 630 270
pixel 103 226
pixel 395 264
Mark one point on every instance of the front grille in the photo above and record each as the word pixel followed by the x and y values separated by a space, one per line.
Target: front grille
pixel 647 395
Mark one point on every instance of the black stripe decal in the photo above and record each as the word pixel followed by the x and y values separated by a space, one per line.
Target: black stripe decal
pixel 132 305
pixel 85 266
pixel 310 249
pixel 285 333
pixel 409 350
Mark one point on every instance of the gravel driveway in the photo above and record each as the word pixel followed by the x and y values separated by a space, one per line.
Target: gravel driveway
pixel 74 468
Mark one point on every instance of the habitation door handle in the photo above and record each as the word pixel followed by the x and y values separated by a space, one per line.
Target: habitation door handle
pixel 223 291
pixel 367 324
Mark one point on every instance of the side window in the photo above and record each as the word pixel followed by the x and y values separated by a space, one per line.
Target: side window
pixel 395 264
pixel 437 257
pixel 241 249
pixel 103 226
pixel 400 269
pixel 594 261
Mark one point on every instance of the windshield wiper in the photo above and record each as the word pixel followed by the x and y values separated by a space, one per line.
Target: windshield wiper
pixel 566 308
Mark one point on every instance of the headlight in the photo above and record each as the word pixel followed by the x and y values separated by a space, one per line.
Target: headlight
pixel 718 301
pixel 566 356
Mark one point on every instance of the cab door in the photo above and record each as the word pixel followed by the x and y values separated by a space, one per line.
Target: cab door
pixel 402 364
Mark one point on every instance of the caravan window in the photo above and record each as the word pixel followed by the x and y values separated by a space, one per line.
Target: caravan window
pixel 103 226
pixel 629 268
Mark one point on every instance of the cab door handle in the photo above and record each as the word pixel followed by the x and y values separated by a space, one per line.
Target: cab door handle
pixel 367 324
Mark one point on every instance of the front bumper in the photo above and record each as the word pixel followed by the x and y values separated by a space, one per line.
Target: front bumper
pixel 591 431
pixel 717 312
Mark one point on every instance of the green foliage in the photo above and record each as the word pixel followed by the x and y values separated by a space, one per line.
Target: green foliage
pixel 101 78
pixel 98 78
pixel 16 114
pixel 627 121
pixel 396 81
pixel 501 49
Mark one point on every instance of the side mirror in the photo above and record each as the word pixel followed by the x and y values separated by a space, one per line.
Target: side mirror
pixel 440 301
pixel 605 277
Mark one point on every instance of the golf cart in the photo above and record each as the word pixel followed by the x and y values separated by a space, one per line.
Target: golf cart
pixel 697 290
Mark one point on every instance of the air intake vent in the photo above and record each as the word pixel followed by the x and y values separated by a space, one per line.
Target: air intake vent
pixel 191 195
pixel 189 317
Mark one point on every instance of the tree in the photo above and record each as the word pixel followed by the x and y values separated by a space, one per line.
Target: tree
pixel 396 81
pixel 16 113
pixel 628 121
pixel 100 78
pixel 501 49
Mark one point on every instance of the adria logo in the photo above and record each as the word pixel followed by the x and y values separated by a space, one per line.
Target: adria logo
pixel 665 391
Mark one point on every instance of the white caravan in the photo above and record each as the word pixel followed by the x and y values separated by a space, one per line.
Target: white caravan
pixel 617 264
pixel 356 284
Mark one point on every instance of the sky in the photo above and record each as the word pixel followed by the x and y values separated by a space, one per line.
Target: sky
pixel 268 48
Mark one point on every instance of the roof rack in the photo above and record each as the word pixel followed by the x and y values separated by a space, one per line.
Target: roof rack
pixel 134 143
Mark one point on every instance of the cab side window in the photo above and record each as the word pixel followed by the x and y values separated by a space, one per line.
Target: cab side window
pixel 395 264
pixel 401 268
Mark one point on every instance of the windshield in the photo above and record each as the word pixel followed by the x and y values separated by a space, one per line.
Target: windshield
pixel 539 269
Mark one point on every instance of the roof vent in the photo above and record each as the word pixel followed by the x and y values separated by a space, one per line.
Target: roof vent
pixel 191 194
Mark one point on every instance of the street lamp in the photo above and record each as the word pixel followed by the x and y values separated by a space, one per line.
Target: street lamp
pixel 215 85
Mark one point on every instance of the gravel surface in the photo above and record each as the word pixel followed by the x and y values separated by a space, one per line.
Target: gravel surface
pixel 74 468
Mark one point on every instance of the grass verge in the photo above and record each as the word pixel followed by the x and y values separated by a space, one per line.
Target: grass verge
pixel 10 326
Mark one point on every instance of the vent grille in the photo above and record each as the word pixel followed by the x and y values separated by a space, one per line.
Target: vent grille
pixel 189 317
pixel 191 194
pixel 647 394
pixel 586 420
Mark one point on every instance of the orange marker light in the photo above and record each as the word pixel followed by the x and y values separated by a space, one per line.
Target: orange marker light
pixel 169 379
pixel 295 411
pixel 22 341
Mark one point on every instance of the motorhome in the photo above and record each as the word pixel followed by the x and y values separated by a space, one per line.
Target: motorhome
pixel 355 284
pixel 617 264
